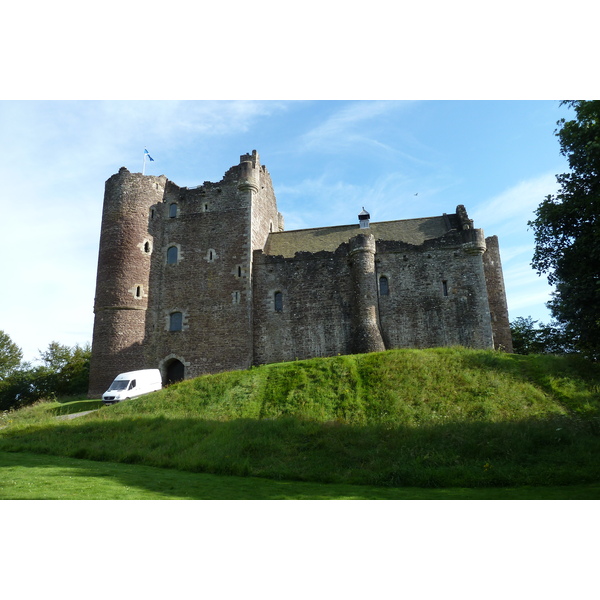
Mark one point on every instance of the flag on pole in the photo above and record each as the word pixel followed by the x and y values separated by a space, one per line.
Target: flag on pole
pixel 146 156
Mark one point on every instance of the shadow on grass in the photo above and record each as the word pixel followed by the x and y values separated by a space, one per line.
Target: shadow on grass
pixel 59 478
pixel 557 451
pixel 72 407
pixel 37 477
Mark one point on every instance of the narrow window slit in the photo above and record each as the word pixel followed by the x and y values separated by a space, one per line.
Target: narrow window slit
pixel 384 287
pixel 278 298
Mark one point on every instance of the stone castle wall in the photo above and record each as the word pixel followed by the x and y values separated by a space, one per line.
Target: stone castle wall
pixel 436 296
pixel 201 255
pixel 315 314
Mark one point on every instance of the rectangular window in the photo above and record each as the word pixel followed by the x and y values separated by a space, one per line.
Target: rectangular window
pixel 278 301
pixel 445 288
pixel 175 321
pixel 172 253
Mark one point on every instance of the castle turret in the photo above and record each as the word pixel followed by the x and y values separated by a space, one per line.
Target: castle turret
pixel 366 334
pixel 249 176
pixel 497 295
pixel 123 276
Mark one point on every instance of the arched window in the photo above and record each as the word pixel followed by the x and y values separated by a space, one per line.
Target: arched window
pixel 384 287
pixel 175 321
pixel 173 210
pixel 147 247
pixel 278 298
pixel 172 255
pixel 138 291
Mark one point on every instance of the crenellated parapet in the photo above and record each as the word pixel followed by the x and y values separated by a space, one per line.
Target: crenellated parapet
pixel 473 241
pixel 249 174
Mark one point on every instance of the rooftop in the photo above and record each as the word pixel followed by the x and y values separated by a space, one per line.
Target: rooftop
pixel 410 231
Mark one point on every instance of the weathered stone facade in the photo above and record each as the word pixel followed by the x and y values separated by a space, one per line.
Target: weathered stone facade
pixel 202 280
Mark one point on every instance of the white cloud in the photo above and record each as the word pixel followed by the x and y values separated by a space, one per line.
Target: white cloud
pixel 351 125
pixel 506 215
pixel 516 205
pixel 54 159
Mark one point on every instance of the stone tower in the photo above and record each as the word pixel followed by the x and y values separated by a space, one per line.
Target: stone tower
pixel 200 307
pixel 122 283
pixel 174 285
pixel 366 333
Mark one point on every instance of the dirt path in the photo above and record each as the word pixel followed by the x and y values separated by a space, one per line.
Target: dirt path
pixel 67 417
pixel 72 416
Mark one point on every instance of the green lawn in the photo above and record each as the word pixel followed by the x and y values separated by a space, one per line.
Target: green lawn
pixel 376 424
pixel 38 477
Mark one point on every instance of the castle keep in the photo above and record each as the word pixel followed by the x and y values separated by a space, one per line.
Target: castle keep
pixel 205 279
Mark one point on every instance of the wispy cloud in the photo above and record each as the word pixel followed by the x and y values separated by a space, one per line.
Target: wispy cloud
pixel 54 159
pixel 506 215
pixel 336 202
pixel 506 210
pixel 352 124
pixel 390 196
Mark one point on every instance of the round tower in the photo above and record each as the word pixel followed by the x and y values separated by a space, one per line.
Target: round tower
pixel 366 334
pixel 123 276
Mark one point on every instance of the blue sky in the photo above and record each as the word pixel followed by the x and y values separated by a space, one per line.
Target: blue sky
pixel 327 160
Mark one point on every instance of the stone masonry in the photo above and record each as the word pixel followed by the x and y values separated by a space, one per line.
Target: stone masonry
pixel 205 279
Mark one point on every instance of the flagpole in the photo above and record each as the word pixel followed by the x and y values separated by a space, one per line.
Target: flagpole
pixel 146 155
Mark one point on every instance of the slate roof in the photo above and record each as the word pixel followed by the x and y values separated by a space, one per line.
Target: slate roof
pixel 411 231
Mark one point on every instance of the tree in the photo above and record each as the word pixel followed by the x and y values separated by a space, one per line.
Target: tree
pixel 10 355
pixel 567 230
pixel 64 372
pixel 66 369
pixel 530 338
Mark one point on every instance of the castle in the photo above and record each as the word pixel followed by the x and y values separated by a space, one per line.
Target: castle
pixel 205 279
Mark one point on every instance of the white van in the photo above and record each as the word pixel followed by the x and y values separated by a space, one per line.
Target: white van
pixel 132 384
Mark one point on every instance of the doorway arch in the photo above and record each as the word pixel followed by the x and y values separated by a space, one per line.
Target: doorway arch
pixel 174 371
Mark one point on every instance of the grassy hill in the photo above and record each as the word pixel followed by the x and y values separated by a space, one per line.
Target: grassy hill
pixel 432 418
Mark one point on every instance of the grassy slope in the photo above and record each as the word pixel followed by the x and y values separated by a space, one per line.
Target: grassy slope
pixel 431 418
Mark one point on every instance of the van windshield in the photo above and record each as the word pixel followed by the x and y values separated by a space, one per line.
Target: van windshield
pixel 119 384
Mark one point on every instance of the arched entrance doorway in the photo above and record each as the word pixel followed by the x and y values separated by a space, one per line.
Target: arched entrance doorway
pixel 175 371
